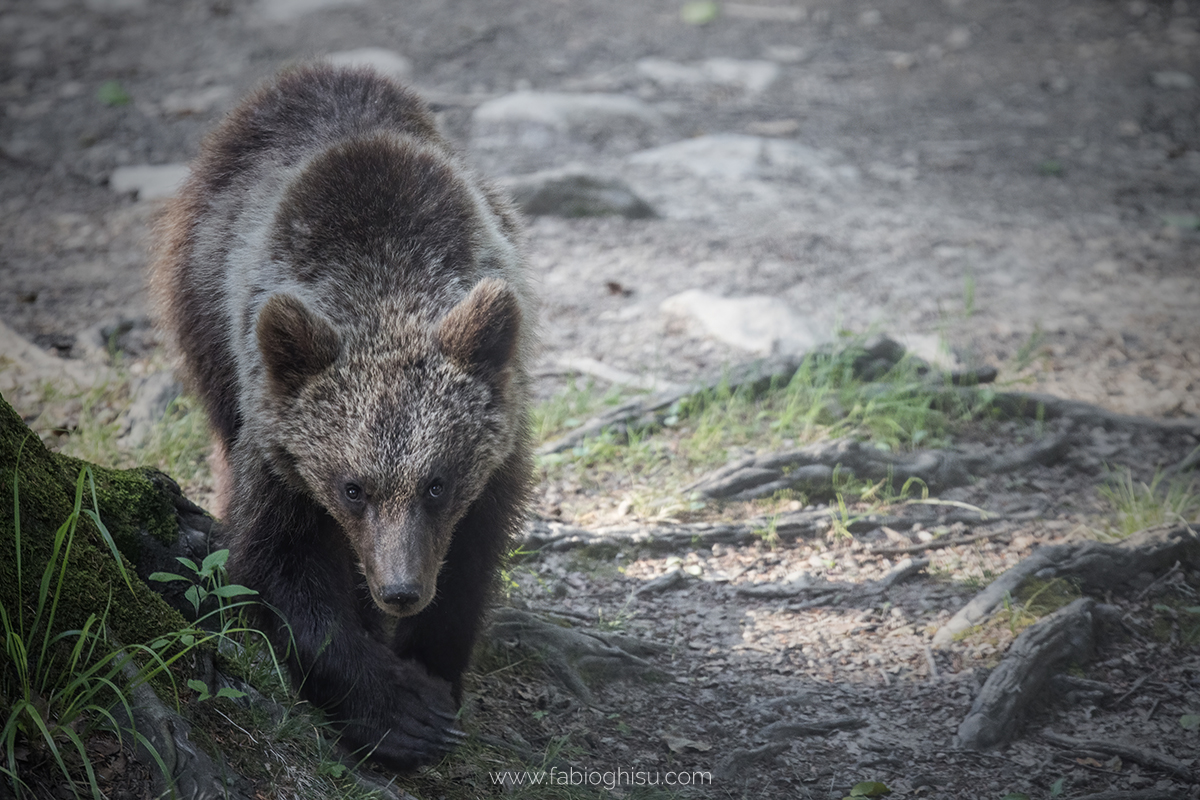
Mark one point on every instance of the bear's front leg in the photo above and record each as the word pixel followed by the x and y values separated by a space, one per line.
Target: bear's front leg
pixel 291 551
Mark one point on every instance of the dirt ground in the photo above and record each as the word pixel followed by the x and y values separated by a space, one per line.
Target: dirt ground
pixel 1016 178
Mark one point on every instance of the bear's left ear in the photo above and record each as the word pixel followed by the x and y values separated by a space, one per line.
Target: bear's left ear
pixel 480 333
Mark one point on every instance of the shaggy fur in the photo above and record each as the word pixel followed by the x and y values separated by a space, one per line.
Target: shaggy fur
pixel 349 303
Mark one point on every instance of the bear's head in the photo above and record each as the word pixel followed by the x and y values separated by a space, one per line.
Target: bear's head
pixel 395 432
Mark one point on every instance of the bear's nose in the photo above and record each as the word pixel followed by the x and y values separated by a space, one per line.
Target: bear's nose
pixel 400 595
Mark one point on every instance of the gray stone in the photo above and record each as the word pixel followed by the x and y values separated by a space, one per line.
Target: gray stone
pixel 289 10
pixel 757 323
pixel 526 131
pixel 199 101
pixel 749 76
pixel 575 193
pixel 388 63
pixel 736 157
pixel 153 395
pixel 1171 79
pixel 149 182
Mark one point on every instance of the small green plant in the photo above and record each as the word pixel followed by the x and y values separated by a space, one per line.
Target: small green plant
pixel 1028 352
pixel 111 93
pixel 570 408
pixel 968 294
pixel 208 582
pixel 202 693
pixel 1141 505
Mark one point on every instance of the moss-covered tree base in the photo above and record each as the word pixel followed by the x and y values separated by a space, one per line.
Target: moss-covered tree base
pixel 132 507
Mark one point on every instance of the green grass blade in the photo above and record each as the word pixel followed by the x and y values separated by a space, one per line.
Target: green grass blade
pixel 94 514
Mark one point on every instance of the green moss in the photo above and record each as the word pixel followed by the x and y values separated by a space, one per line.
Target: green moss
pixel 46 487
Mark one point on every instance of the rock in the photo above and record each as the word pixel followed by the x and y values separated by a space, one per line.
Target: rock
pixel 1170 79
pixel 574 193
pixel 386 62
pixel 290 10
pixel 525 131
pixel 756 323
pixel 737 157
pixel 749 76
pixel 152 396
pixel 24 366
pixel 148 182
pixel 201 101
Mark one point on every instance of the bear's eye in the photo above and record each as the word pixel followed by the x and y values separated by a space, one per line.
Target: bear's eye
pixel 353 492
pixel 435 489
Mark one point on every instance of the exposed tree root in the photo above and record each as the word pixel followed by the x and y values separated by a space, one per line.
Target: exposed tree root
pixel 1045 648
pixel 544 536
pixel 1127 752
pixel 811 469
pixel 1098 566
pixel 786 731
pixel 573 656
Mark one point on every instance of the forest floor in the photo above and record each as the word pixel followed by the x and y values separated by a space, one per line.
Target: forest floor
pixel 1008 185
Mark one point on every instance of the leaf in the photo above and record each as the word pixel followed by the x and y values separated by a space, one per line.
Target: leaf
pixel 1056 788
pixel 678 744
pixel 216 558
pixel 232 590
pixel 870 789
pixel 187 562
pixel 199 688
pixel 1190 722
pixel 112 94
pixel 230 692
pixel 193 596
pixel 166 577
pixel 699 12
pixel 1015 796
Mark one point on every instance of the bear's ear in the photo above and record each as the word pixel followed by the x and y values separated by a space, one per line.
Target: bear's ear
pixel 480 333
pixel 295 343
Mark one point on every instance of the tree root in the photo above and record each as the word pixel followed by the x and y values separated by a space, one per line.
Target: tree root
pixel 805 586
pixel 544 536
pixel 573 656
pixel 811 469
pixel 786 731
pixel 1067 636
pixel 1127 752
pixel 1097 566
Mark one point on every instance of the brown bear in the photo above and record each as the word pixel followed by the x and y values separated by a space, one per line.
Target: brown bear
pixel 350 303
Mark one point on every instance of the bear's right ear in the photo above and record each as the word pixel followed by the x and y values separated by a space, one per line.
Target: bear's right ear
pixel 295 343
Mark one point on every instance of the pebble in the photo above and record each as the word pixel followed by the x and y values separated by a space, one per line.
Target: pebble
pixel 523 131
pixel 388 63
pixel 149 182
pixel 1171 79
pixel 735 157
pixel 282 11
pixel 576 193
pixel 749 76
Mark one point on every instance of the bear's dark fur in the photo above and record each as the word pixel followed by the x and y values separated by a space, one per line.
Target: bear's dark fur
pixel 350 304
